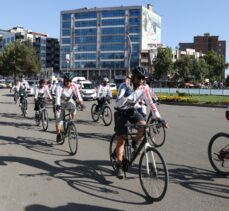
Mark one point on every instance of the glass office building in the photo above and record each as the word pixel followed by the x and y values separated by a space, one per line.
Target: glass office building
pixel 106 41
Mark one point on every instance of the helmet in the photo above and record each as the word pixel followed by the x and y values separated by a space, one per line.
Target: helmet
pixel 68 76
pixel 105 80
pixel 139 71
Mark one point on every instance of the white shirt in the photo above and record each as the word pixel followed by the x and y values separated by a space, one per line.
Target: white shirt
pixel 142 92
pixel 104 91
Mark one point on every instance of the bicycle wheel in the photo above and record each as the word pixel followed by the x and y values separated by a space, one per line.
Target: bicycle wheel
pixel 153 174
pixel 112 152
pixel 72 138
pixel 156 133
pixel 37 118
pixel 218 153
pixel 44 119
pixel 94 114
pixel 107 115
pixel 24 107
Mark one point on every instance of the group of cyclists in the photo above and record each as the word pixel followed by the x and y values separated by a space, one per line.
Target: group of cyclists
pixel 130 105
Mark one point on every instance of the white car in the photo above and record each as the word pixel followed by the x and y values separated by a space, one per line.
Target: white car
pixel 32 87
pixel 87 90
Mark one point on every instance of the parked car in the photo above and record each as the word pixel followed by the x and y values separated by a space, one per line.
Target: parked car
pixel 2 83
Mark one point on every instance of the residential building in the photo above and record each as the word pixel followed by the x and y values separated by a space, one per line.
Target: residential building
pixel 206 43
pixel 100 42
pixel 47 48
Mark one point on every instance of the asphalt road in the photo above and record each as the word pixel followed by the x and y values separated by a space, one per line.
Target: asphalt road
pixel 36 174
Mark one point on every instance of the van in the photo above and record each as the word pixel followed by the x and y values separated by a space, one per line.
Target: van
pixel 78 79
pixel 87 90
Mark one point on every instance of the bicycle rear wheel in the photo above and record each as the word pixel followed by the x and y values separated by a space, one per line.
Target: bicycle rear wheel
pixel 218 153
pixel 112 153
pixel 72 138
pixel 153 174
pixel 156 133
pixel 44 119
pixel 107 115
pixel 94 114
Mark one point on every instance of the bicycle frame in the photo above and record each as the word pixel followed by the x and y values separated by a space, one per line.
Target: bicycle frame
pixel 144 144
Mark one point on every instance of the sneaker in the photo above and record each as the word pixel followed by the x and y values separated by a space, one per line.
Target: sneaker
pixel 58 138
pixel 119 171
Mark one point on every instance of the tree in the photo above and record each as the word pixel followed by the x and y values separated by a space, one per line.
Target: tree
pixel 19 58
pixel 163 64
pixel 216 65
pixel 185 68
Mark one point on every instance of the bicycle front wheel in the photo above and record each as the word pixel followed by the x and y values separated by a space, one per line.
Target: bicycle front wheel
pixel 44 118
pixel 156 133
pixel 94 113
pixel 24 107
pixel 218 153
pixel 72 138
pixel 107 115
pixel 153 174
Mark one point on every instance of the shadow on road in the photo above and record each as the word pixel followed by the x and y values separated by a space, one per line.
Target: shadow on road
pixel 68 207
pixel 197 179
pixel 88 177
pixel 96 136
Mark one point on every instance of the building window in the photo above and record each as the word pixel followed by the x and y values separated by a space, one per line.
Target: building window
pixel 85 15
pixel 113 13
pixel 112 22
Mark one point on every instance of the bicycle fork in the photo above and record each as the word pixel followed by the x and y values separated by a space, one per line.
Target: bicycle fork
pixel 147 145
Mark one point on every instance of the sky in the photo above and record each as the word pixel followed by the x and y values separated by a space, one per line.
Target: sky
pixel 181 19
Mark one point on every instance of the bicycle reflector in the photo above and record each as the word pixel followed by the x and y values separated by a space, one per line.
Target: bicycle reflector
pixel 227 113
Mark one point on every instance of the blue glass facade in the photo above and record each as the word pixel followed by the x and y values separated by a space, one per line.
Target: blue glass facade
pixel 99 38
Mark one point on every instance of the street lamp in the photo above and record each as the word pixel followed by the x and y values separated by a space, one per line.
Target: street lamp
pixel 67 57
pixel 129 50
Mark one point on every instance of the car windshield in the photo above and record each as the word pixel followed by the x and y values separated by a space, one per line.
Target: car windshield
pixel 87 86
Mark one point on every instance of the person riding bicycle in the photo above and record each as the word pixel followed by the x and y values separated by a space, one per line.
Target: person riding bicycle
pixel 66 94
pixel 41 92
pixel 126 111
pixel 104 94
pixel 21 87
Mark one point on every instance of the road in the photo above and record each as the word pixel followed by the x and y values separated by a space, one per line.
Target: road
pixel 36 174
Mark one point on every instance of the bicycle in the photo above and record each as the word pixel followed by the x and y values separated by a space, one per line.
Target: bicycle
pixel 42 114
pixel 24 103
pixel 218 153
pixel 69 131
pixel 103 112
pixel 151 164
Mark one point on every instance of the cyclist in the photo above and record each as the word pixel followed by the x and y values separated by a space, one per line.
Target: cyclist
pixel 41 92
pixel 126 111
pixel 104 93
pixel 21 87
pixel 66 94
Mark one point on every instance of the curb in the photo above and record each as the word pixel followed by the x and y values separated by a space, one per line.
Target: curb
pixel 197 105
